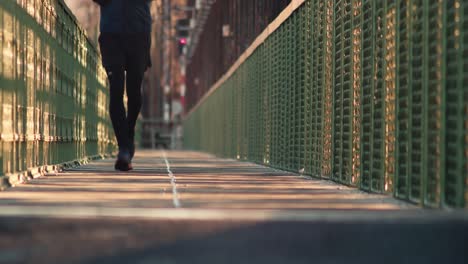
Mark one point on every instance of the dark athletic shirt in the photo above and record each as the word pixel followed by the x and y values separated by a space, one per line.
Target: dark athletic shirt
pixel 126 17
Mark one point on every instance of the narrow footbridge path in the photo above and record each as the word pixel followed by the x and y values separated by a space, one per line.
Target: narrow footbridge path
pixel 189 207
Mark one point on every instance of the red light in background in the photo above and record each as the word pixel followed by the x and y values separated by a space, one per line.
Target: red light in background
pixel 183 41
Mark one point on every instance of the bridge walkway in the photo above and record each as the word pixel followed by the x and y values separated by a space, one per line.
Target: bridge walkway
pixel 190 207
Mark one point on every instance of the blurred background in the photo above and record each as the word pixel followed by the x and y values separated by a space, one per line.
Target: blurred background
pixel 194 42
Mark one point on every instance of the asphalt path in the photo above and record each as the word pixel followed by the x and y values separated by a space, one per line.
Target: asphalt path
pixel 189 207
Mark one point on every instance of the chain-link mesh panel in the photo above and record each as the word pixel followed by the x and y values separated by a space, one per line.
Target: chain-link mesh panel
pixel 403 101
pixel 368 93
pixel 455 102
pixel 390 94
pixel 435 86
pixel 53 89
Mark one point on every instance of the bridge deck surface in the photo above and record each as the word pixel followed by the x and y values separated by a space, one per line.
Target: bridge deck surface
pixel 189 207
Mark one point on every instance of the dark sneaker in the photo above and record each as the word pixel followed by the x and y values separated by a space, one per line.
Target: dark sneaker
pixel 123 162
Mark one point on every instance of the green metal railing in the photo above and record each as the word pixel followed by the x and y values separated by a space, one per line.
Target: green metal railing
pixel 372 94
pixel 53 89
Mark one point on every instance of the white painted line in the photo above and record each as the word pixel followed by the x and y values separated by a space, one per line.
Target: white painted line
pixel 338 216
pixel 175 195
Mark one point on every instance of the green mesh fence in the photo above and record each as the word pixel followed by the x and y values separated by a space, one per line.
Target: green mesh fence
pixel 53 89
pixel 368 93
